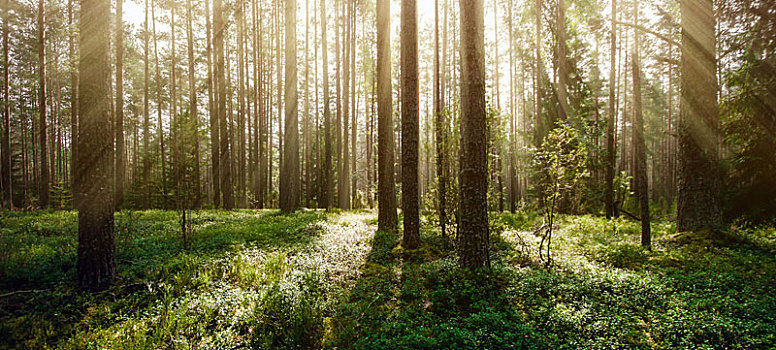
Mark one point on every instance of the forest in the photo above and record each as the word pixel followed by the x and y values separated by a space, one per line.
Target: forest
pixel 388 174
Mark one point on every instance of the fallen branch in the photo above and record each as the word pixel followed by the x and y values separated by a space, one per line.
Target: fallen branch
pixel 24 292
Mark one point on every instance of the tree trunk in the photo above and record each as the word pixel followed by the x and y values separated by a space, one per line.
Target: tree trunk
pixel 327 187
pixel 698 205
pixel 343 185
pixel 226 160
pixel 290 177
pixel 473 229
pixel 43 184
pixel 7 171
pixel 409 123
pixel 386 216
pixel 639 145
pixel 440 129
pixel 119 122
pixel 96 265
pixel 610 151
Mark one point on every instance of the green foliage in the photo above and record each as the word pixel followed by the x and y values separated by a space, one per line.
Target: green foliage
pixel 268 281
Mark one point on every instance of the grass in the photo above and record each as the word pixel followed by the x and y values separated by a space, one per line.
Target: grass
pixel 327 280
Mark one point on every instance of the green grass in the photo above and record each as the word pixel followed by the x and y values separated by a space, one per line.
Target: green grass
pixel 326 280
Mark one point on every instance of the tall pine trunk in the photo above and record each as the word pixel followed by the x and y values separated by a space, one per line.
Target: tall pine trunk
pixel 386 187
pixel 639 145
pixel 473 229
pixel 43 182
pixel 119 122
pixel 96 263
pixel 290 177
pixel 409 123
pixel 698 205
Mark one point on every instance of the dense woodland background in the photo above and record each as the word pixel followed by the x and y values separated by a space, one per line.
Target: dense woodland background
pixel 654 112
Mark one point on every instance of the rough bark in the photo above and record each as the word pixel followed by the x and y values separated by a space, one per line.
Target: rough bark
pixel 43 182
pixel 226 159
pixel 96 264
pixel 7 172
pixel 698 199
pixel 386 188
pixel 290 179
pixel 610 151
pixel 327 186
pixel 473 228
pixel 119 122
pixel 409 123
pixel 639 145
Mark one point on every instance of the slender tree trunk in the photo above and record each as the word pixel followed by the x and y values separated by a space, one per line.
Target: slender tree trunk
pixel 226 160
pixel 639 145
pixel 354 126
pixel 96 264
pixel 409 123
pixel 119 123
pixel 698 205
pixel 610 123
pixel 193 113
pixel 43 189
pixel 241 179
pixel 343 185
pixel 386 218
pixel 290 178
pixel 215 142
pixel 328 186
pixel 146 119
pixel 159 103
pixel 441 124
pixel 308 179
pixel 7 169
pixel 539 127
pixel 564 110
pixel 473 229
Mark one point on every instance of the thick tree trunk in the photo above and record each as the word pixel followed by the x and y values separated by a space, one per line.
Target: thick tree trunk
pixel 440 128
pixel 290 177
pixel 386 190
pixel 698 205
pixel 409 123
pixel 473 229
pixel 96 265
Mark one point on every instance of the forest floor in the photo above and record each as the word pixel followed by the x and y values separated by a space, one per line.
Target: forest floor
pixel 260 279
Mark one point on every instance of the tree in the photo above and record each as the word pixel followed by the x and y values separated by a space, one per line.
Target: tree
pixel 119 122
pixel 215 143
pixel 290 179
pixel 440 129
pixel 146 118
pixel 6 182
pixel 43 131
pixel 225 161
pixel 610 151
pixel 698 200
pixel 327 186
pixel 386 187
pixel 639 146
pixel 410 123
pixel 473 231
pixel 96 265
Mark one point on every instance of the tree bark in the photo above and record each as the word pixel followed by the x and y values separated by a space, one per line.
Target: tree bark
pixel 119 122
pixel 290 178
pixel 610 123
pixel 6 166
pixel 226 161
pixel 96 265
pixel 639 145
pixel 473 232
pixel 409 123
pixel 698 205
pixel 386 216
pixel 43 183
